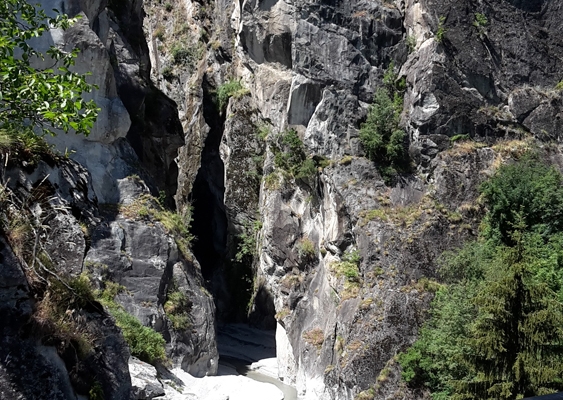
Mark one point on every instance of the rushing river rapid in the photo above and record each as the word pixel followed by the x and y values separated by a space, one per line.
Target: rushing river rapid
pixel 289 392
pixel 240 346
pixel 248 370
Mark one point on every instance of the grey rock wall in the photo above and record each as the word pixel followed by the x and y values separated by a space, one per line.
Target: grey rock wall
pixel 37 361
pixel 128 157
pixel 314 66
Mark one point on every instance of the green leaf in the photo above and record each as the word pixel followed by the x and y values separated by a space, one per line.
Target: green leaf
pixel 27 92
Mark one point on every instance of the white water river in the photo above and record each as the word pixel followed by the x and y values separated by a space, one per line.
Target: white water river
pixel 247 369
pixel 252 352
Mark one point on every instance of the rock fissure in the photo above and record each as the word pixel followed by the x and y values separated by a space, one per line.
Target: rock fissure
pixel 340 262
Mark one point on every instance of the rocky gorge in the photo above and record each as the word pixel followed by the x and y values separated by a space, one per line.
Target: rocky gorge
pixel 226 181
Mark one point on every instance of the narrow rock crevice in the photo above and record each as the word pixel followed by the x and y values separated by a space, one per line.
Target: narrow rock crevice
pixel 210 221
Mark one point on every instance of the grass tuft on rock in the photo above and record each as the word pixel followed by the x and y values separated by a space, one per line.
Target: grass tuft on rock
pixel 144 342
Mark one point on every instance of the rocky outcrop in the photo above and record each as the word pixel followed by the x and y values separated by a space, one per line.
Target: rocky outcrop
pixel 138 253
pixel 341 261
pixel 39 358
pixel 143 379
pixel 315 67
pixel 85 213
pixel 138 125
pixel 473 72
pixel 142 257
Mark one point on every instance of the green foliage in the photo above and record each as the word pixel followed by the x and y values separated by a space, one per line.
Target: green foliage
pixel 289 151
pixel 516 342
pixel 495 329
pixel 180 54
pixel 394 84
pixel 459 138
pixel 111 289
pixel 306 249
pixel 263 131
pixel 381 136
pixel 48 99
pixel 307 169
pixel 159 33
pixel 437 357
pixel 527 189
pixel 73 293
pixel 290 156
pixel 441 31
pixel 176 224
pixel 352 257
pixel 161 198
pixel 272 181
pixel 247 240
pixel 177 308
pixel 411 43
pixel 185 56
pixel 168 73
pixel 480 21
pixel 23 143
pixel 366 395
pixel 348 267
pixel 60 306
pixel 96 392
pixel 231 88
pixel 6 140
pixel 559 86
pixel 240 273
pixel 144 342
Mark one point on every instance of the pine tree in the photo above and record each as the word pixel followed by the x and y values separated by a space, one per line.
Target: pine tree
pixel 506 293
pixel 516 341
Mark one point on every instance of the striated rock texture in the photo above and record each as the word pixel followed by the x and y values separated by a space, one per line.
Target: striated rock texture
pixel 342 263
pixel 138 126
pixel 314 66
pixel 93 215
pixel 40 357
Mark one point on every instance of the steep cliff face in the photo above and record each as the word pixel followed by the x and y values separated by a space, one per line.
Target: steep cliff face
pixel 56 343
pixel 247 115
pixel 103 214
pixel 314 67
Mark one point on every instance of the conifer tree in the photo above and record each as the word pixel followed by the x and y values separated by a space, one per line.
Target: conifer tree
pixel 510 344
pixel 516 341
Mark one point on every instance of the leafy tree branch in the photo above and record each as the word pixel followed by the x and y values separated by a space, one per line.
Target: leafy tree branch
pixel 48 99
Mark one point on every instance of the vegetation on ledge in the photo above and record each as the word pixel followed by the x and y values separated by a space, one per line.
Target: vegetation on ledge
pixel 382 138
pixel 495 327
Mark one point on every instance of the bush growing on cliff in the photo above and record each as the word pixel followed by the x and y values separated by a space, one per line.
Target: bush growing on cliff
pixel 382 138
pixel 441 31
pixel 290 156
pixel 55 316
pixel 177 308
pixel 495 329
pixel 240 273
pixel 231 88
pixel 144 342
pixel 175 223
pixel 307 250
pixel 247 240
